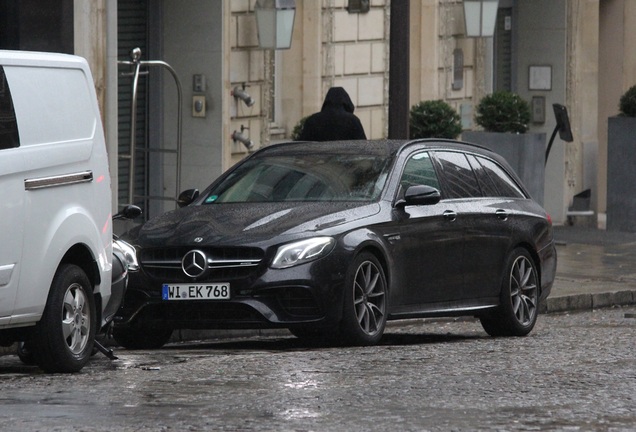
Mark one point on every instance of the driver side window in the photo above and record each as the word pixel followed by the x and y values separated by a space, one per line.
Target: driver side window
pixel 419 171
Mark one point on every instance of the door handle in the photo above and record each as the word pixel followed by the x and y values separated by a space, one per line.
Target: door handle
pixel 450 215
pixel 502 214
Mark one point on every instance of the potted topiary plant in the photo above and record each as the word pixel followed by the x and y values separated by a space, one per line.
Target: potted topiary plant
pixel 504 112
pixel 621 160
pixel 505 119
pixel 434 119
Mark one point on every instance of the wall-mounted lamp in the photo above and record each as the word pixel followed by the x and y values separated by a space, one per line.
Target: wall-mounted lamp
pixel 239 93
pixel 480 17
pixel 275 22
pixel 238 136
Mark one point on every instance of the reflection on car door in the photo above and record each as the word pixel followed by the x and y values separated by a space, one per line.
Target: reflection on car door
pixel 429 254
pixel 493 218
pixel 461 186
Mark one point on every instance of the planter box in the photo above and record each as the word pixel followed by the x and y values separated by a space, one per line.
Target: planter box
pixel 524 152
pixel 621 174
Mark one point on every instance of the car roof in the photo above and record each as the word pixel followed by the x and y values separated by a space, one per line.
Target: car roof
pixel 384 147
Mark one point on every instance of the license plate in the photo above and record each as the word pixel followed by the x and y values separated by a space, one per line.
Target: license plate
pixel 219 291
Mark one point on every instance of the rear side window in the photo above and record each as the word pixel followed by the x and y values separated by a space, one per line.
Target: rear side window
pixel 459 179
pixel 9 137
pixel 494 180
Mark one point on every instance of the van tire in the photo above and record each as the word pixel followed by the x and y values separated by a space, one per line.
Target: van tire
pixel 64 337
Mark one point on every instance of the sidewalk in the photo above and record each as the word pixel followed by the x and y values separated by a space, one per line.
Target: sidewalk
pixel 596 268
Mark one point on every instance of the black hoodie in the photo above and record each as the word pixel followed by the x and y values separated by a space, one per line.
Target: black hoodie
pixel 335 121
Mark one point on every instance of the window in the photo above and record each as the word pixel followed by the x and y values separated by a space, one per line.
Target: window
pixel 9 137
pixel 498 179
pixel 304 177
pixel 419 171
pixel 459 179
pixel 486 182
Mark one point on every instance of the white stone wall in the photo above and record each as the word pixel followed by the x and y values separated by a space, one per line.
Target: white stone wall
pixel 353 55
pixel 357 60
pixel 247 68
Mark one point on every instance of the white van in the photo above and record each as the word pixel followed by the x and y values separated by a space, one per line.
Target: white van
pixel 55 209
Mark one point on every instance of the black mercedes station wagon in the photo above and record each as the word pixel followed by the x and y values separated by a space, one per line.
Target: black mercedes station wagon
pixel 331 240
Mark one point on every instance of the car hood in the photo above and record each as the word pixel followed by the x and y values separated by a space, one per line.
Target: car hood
pixel 247 223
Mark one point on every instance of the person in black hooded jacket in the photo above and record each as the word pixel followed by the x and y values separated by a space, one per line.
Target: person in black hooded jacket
pixel 335 121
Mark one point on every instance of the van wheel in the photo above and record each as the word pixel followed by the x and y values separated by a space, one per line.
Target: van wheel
pixel 64 337
pixel 365 301
pixel 519 303
pixel 142 337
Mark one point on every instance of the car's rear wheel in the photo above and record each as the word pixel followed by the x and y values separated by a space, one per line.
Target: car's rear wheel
pixel 63 339
pixel 142 336
pixel 365 301
pixel 519 303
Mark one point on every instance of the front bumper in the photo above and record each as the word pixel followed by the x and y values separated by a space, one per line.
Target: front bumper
pixel 311 293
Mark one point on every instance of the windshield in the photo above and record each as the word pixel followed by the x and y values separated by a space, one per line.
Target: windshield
pixel 303 177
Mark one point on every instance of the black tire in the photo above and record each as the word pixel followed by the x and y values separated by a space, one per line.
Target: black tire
pixel 365 301
pixel 25 353
pixel 63 339
pixel 142 337
pixel 519 300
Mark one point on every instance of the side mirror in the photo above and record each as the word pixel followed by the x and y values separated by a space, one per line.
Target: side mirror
pixel 187 197
pixel 129 212
pixel 419 195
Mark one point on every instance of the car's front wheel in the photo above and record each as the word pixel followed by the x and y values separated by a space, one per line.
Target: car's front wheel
pixel 142 337
pixel 365 301
pixel 519 302
pixel 64 337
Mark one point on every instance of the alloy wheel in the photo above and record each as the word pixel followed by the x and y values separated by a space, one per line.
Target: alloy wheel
pixel 369 298
pixel 76 320
pixel 523 290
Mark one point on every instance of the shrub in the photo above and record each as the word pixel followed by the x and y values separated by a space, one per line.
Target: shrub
pixel 627 103
pixel 503 112
pixel 298 129
pixel 434 119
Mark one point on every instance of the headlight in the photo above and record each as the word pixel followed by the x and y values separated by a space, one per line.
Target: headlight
pixel 302 251
pixel 129 253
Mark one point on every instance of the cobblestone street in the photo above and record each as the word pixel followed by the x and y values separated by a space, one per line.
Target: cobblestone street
pixel 574 372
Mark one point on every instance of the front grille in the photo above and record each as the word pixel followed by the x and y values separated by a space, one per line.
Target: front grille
pixel 164 264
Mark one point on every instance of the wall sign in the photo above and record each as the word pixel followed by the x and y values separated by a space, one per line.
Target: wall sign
pixel 540 78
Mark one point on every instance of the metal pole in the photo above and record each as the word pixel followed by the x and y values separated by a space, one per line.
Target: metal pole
pixel 136 61
pixel 399 70
pixel 179 115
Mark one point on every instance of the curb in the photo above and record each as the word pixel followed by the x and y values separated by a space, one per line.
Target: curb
pixel 582 302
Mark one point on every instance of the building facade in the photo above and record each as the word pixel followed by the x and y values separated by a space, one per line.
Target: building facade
pixel 196 54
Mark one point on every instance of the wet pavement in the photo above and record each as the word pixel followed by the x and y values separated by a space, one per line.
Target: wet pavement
pixel 574 372
pixel 596 268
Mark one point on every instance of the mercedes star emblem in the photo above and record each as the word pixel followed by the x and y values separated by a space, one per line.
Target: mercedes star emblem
pixel 194 263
